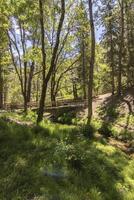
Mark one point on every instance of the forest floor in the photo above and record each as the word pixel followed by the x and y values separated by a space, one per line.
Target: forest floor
pixel 57 161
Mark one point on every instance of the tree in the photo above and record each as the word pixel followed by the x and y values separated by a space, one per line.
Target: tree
pixel 64 54
pixel 3 49
pixel 109 39
pixel 129 12
pixel 121 45
pixel 83 46
pixel 92 61
pixel 23 43
pixel 46 77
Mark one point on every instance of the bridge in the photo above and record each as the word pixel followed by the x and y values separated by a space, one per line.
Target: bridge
pixel 60 104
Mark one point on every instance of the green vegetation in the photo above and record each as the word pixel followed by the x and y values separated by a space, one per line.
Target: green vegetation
pixel 66 100
pixel 54 161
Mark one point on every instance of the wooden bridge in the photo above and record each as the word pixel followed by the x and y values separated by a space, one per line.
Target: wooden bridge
pixel 62 103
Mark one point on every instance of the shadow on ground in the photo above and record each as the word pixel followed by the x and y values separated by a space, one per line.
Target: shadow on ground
pixel 57 162
pixel 118 111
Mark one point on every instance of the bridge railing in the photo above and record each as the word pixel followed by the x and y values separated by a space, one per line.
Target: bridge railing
pixel 60 102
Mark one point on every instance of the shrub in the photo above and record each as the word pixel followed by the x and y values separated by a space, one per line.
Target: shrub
pixel 88 131
pixel 66 118
pixel 30 116
pixel 105 130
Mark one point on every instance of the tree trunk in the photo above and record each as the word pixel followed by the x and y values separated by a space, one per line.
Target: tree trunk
pixel 121 49
pixel 37 91
pixel 130 45
pixel 53 100
pixel 25 103
pixel 44 85
pixel 83 70
pixel 29 86
pixel 92 61
pixel 112 66
pixel 1 88
pixel 75 94
pixel 25 87
pixel 5 94
pixel 53 97
pixel 42 102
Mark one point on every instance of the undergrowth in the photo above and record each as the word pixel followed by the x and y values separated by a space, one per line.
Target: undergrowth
pixel 54 161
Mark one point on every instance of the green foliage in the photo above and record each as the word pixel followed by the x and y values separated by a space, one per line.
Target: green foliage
pixel 88 131
pixel 66 118
pixel 86 169
pixel 30 116
pixel 105 130
pixel 94 194
pixel 64 160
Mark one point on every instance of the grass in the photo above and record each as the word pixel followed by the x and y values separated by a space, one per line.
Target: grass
pixel 86 169
pixel 122 128
pixel 20 115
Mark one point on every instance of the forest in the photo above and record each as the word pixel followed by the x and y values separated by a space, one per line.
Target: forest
pixel 66 100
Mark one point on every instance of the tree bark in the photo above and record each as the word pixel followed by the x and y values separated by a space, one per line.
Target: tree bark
pixel 130 44
pixel 75 93
pixel 44 85
pixel 53 99
pixel 121 48
pixel 92 61
pixel 83 70
pixel 1 88
pixel 29 86
pixel 112 65
pixel 53 85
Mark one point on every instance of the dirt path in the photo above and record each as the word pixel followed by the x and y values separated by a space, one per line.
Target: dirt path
pixel 18 122
pixel 97 102
pixel 123 146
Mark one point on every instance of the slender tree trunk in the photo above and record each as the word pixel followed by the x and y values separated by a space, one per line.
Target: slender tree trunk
pixel 25 103
pixel 83 70
pixel 1 88
pixel 121 48
pixel 42 102
pixel 92 61
pixel 130 45
pixel 112 66
pixel 75 93
pixel 29 86
pixel 37 91
pixel 29 91
pixel 25 87
pixel 53 98
pixel 111 50
pixel 44 85
pixel 5 94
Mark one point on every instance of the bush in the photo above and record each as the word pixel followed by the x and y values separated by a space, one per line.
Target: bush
pixel 105 130
pixel 66 118
pixel 88 131
pixel 30 116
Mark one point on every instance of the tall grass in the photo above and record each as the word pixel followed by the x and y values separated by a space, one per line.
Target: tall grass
pixel 54 161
